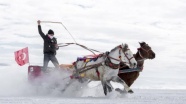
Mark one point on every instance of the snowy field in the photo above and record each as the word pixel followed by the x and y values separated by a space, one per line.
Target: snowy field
pixel 139 97
pixel 101 25
pixel 48 90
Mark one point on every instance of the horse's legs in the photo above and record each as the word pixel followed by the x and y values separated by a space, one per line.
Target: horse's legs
pixel 104 86
pixel 119 80
pixel 68 84
pixel 109 86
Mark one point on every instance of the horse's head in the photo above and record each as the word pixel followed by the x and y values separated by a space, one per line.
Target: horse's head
pixel 145 51
pixel 127 56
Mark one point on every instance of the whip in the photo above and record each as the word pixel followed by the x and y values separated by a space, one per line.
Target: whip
pixel 66 44
pixel 62 25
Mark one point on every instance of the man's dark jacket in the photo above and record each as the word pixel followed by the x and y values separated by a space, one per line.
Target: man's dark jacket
pixel 49 44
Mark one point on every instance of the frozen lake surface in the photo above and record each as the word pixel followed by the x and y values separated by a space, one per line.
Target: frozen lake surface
pixel 140 96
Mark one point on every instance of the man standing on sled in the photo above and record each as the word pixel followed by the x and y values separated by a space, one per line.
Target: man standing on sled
pixel 50 47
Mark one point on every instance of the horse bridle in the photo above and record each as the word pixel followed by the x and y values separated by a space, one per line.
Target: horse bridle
pixel 129 59
pixel 110 64
pixel 147 51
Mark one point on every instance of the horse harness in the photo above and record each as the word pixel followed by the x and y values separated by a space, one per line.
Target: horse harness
pixel 107 62
pixel 113 65
pixel 125 69
pixel 140 62
pixel 86 68
pixel 147 51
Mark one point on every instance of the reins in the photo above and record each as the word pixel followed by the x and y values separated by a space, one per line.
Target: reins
pixel 89 49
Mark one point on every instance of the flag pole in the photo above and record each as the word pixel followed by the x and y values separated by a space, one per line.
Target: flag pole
pixel 28 58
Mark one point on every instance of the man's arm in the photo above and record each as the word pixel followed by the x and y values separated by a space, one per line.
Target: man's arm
pixel 40 30
pixel 56 45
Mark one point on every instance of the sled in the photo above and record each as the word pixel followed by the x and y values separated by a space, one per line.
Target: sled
pixel 35 71
pixel 130 70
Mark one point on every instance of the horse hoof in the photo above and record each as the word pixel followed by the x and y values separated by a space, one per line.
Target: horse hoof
pixel 130 91
pixel 120 91
pixel 63 90
pixel 105 93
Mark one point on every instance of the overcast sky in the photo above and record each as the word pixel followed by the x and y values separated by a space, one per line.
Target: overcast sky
pixel 101 25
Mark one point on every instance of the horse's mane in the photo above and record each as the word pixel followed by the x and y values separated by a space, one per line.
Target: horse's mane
pixel 122 46
pixel 142 43
pixel 115 48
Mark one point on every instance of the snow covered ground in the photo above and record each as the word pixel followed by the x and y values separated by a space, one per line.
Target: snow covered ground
pixel 48 90
pixel 101 25
pixel 139 97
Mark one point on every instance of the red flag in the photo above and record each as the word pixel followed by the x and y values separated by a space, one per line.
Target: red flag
pixel 21 56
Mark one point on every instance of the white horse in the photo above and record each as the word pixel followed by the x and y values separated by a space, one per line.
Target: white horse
pixel 106 66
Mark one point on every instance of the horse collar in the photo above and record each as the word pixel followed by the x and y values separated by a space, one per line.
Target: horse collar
pixel 110 64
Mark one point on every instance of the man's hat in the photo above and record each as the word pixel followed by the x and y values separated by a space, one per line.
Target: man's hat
pixel 50 31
